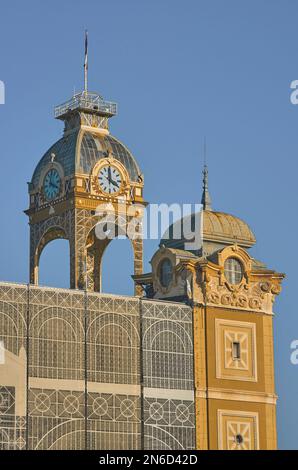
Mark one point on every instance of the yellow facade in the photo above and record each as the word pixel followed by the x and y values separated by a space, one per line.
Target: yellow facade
pixel 234 388
pixel 235 397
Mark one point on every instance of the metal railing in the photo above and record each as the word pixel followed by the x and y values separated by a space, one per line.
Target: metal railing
pixel 86 101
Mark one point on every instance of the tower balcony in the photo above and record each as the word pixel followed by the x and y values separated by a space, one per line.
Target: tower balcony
pixel 86 102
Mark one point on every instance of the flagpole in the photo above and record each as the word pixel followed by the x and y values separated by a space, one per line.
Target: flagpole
pixel 86 63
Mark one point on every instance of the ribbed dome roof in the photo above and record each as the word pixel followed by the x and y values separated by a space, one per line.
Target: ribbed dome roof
pixel 222 227
pixel 217 227
pixel 80 150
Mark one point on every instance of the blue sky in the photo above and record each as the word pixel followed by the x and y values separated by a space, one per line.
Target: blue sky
pixel 179 71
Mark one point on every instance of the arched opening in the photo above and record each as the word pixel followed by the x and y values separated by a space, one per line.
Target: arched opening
pixel 117 267
pixel 54 265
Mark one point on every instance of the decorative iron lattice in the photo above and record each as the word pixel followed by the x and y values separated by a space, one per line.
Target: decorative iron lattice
pixel 167 345
pixel 77 226
pixel 167 349
pixel 169 424
pixel 83 369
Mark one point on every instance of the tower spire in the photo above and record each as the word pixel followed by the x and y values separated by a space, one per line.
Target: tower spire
pixel 86 63
pixel 206 199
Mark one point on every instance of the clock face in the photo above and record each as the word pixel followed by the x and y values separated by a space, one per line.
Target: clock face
pixel 109 179
pixel 52 184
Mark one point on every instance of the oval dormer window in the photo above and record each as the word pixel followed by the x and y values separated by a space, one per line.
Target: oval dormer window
pixel 233 271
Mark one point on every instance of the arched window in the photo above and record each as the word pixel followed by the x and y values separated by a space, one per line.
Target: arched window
pixel 57 346
pixel 168 357
pixel 113 349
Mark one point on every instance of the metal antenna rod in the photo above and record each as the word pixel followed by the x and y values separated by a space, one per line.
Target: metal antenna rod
pixel 86 63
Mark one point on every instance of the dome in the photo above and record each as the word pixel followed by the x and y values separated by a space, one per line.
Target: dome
pixel 218 228
pixel 226 228
pixel 80 150
pixel 208 231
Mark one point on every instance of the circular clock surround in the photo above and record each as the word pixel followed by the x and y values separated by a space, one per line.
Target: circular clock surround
pixel 233 269
pixel 51 184
pixel 165 272
pixel 110 179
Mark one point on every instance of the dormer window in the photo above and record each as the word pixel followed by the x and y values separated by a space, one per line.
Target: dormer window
pixel 165 272
pixel 233 271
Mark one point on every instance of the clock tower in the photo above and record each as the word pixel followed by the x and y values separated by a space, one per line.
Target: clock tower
pixel 87 189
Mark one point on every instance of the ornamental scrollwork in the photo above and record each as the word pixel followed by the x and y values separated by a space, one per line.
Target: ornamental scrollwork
pixel 249 296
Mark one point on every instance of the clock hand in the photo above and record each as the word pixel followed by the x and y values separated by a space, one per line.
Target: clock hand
pixel 53 185
pixel 111 179
pixel 114 183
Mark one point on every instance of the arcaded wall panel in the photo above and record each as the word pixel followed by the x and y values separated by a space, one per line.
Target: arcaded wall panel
pixel 13 333
pixel 168 371
pixel 73 367
pixel 113 365
pixel 56 400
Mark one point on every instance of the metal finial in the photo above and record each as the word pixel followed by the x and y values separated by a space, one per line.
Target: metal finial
pixel 206 199
pixel 86 63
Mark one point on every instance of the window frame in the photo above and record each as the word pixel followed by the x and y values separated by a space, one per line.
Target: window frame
pixel 233 270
